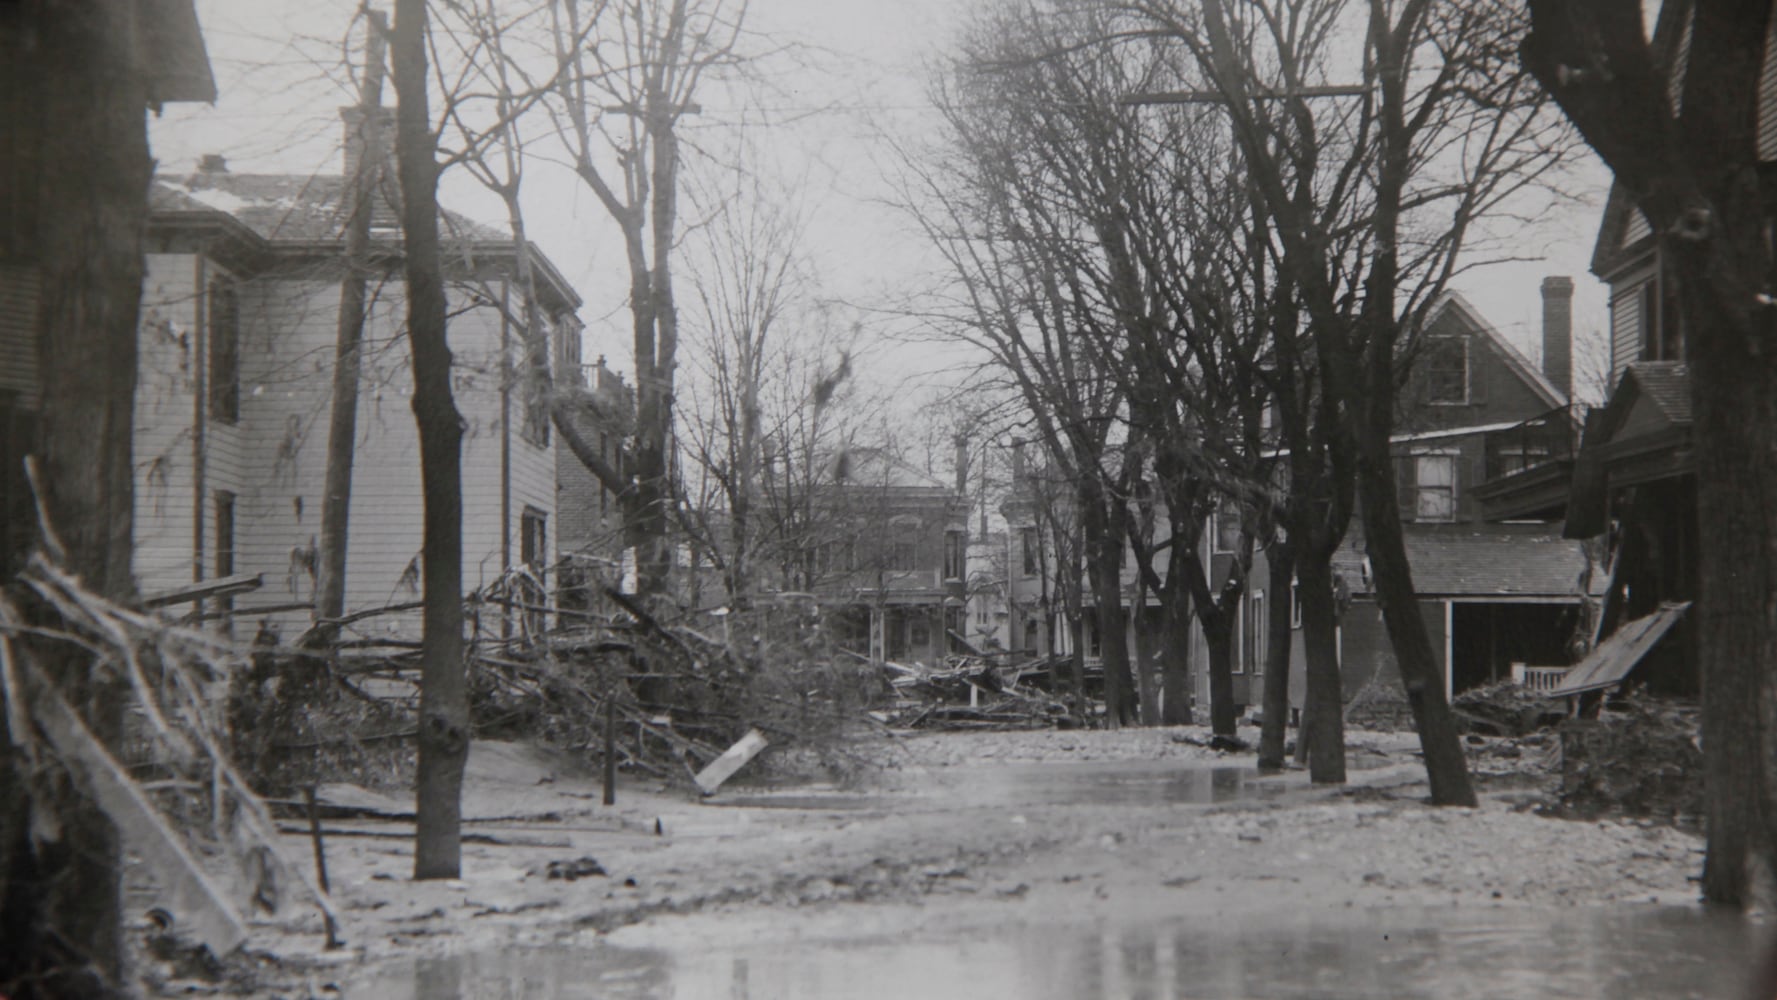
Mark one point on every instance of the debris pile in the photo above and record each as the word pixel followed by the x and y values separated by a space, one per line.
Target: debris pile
pixel 971 692
pixel 1640 756
pixel 1506 709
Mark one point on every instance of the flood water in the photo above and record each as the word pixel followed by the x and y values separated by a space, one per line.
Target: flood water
pixel 1612 952
pixel 1110 783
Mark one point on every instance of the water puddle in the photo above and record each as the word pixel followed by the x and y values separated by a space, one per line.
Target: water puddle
pixel 1107 783
pixel 1402 952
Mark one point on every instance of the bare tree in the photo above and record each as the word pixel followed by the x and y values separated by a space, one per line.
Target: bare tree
pixel 749 284
pixel 1695 169
pixel 1372 197
pixel 360 192
pixel 620 102
pixel 74 156
pixel 444 706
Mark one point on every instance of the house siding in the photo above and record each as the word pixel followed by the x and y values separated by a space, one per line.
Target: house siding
pixel 18 332
pixel 1626 321
pixel 274 460
pixel 164 458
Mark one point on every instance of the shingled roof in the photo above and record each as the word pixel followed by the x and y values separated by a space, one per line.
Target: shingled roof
pixel 1494 564
pixel 293 207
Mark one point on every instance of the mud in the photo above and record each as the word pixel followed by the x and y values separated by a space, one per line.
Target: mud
pixel 963 837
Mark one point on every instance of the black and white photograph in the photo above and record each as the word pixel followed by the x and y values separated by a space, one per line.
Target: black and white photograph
pixel 888 499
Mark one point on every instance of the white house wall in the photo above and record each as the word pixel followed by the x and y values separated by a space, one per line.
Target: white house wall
pixel 275 461
pixel 165 473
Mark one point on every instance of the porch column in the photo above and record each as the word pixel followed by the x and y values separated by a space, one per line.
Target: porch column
pixel 1449 647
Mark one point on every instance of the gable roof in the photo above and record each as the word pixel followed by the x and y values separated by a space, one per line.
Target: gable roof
pixel 1514 358
pixel 171 47
pixel 296 210
pixel 1666 385
pixel 295 207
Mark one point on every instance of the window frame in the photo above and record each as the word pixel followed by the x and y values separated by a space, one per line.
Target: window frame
pixel 1421 490
pixel 222 364
pixel 1435 348
pixel 1032 554
pixel 1226 516
pixel 533 537
pixel 955 553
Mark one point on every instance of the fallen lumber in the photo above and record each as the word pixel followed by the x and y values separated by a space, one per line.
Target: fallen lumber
pixel 197 902
pixel 732 760
pixel 468 837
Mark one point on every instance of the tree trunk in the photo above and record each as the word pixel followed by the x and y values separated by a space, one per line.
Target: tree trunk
pixel 1104 556
pixel 1323 709
pixel 1275 698
pixel 444 706
pixel 1175 653
pixel 1218 637
pixel 60 899
pixel 1445 764
pixel 1699 178
pixel 1147 699
pixel 342 427
pixel 1732 374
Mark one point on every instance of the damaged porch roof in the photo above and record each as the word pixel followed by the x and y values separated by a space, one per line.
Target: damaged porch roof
pixel 1616 656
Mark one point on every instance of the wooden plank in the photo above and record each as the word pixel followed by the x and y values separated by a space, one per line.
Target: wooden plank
pixel 200 907
pixel 222 586
pixel 736 757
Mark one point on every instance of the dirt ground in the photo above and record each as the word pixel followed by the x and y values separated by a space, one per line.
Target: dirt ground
pixel 943 827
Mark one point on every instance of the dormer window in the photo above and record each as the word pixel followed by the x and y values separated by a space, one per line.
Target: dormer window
pixel 1662 328
pixel 1446 370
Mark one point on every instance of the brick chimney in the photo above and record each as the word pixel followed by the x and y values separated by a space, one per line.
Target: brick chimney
pixel 962 464
pixel 354 120
pixel 1558 332
pixel 212 163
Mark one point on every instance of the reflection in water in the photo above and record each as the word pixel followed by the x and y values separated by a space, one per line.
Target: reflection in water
pixel 1153 783
pixel 1405 952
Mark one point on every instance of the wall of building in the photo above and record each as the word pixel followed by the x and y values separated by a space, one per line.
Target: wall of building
pixel 274 458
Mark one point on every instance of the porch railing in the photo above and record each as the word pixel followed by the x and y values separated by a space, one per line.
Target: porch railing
pixel 1538 678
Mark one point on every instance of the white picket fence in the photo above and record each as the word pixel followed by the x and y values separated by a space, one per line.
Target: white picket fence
pixel 1538 678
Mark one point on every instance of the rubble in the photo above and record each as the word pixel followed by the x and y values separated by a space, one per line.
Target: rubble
pixel 1506 709
pixel 972 693
pixel 1639 757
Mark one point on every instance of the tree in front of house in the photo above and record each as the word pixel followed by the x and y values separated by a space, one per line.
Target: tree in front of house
pixel 1684 128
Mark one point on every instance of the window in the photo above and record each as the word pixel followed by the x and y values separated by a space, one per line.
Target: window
pixel 901 557
pixel 225 546
pixel 534 382
pixel 1255 633
pixel 1428 487
pixel 1295 603
pixel 533 548
pixel 533 538
pixel 954 550
pixel 1030 635
pixel 1446 370
pixel 1227 528
pixel 224 321
pixel 1032 553
pixel 604 453
pixel 1662 328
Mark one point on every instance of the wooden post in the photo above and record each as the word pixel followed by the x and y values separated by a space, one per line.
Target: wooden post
pixel 315 836
pixel 610 797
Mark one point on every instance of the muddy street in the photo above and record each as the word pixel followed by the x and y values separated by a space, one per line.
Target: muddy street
pixel 1108 864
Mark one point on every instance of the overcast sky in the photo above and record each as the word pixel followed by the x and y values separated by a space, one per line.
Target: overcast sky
pixel 857 68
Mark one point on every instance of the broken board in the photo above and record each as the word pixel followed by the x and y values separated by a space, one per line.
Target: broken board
pixel 722 768
pixel 200 907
